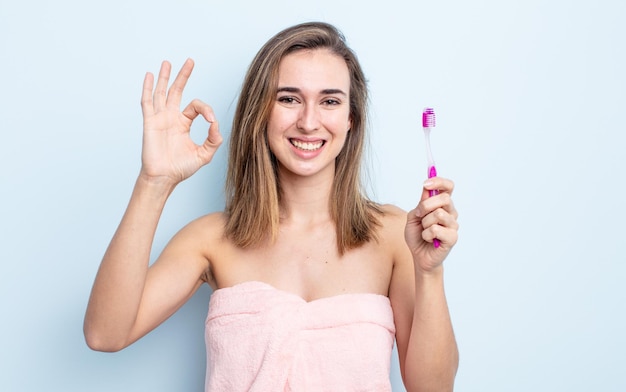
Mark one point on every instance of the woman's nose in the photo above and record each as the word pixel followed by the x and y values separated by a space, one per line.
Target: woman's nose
pixel 309 118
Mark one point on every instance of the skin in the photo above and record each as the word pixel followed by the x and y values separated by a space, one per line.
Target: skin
pixel 129 298
pixel 308 112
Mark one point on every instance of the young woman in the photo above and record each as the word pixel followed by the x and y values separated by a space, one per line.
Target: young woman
pixel 312 281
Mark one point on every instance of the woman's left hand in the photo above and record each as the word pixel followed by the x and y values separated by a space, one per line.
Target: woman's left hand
pixel 434 217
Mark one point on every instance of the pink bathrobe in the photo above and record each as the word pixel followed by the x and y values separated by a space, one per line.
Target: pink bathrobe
pixel 262 339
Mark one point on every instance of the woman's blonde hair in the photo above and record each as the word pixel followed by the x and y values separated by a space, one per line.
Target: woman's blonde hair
pixel 253 190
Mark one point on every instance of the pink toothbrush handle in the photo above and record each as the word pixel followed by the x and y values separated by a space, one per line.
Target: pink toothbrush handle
pixel 432 172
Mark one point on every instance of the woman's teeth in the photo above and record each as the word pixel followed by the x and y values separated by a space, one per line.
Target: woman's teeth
pixel 307 146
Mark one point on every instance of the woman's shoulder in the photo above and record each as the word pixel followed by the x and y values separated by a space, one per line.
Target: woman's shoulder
pixel 392 221
pixel 204 236
pixel 206 227
pixel 212 218
pixel 201 234
pixel 392 214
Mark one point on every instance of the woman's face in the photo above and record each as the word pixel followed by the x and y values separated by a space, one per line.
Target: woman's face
pixel 310 119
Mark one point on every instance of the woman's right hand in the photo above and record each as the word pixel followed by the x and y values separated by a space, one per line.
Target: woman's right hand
pixel 169 154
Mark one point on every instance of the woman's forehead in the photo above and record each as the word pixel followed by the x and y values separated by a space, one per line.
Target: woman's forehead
pixel 318 69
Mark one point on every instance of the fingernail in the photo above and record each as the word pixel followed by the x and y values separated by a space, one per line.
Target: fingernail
pixel 428 183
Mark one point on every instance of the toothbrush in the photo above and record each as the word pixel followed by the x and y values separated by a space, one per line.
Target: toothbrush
pixel 428 121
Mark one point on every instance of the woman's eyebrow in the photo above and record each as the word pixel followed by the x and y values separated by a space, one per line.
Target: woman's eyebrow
pixel 297 90
pixel 332 91
pixel 288 90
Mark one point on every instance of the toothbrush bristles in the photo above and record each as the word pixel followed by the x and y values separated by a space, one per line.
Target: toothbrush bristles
pixel 428 118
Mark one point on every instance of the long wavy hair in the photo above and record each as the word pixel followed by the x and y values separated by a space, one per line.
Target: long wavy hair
pixel 253 191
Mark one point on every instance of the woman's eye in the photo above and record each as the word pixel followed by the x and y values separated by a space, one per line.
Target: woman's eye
pixel 286 99
pixel 331 102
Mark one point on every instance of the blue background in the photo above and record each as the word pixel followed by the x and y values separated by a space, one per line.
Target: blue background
pixel 530 99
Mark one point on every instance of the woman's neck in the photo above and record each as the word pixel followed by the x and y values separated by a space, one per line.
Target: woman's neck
pixel 305 200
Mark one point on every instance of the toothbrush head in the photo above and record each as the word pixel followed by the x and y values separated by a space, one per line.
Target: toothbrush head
pixel 428 118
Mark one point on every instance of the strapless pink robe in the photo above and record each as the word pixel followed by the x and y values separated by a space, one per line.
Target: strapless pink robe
pixel 262 339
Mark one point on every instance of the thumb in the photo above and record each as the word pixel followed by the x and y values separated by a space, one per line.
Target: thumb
pixel 211 143
pixel 214 138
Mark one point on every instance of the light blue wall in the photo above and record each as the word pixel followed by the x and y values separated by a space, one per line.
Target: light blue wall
pixel 530 98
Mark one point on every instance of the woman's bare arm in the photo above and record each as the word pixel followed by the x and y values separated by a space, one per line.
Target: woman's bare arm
pixel 128 298
pixel 426 344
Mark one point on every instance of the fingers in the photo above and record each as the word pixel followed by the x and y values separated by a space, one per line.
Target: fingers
pixel 146 95
pixel 446 235
pixel 162 97
pixel 214 138
pixel 212 142
pixel 440 217
pixel 160 92
pixel 439 184
pixel 443 199
pixel 175 93
pixel 197 107
pixel 437 213
pixel 430 204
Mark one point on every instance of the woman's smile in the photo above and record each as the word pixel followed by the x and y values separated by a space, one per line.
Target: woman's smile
pixel 307 145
